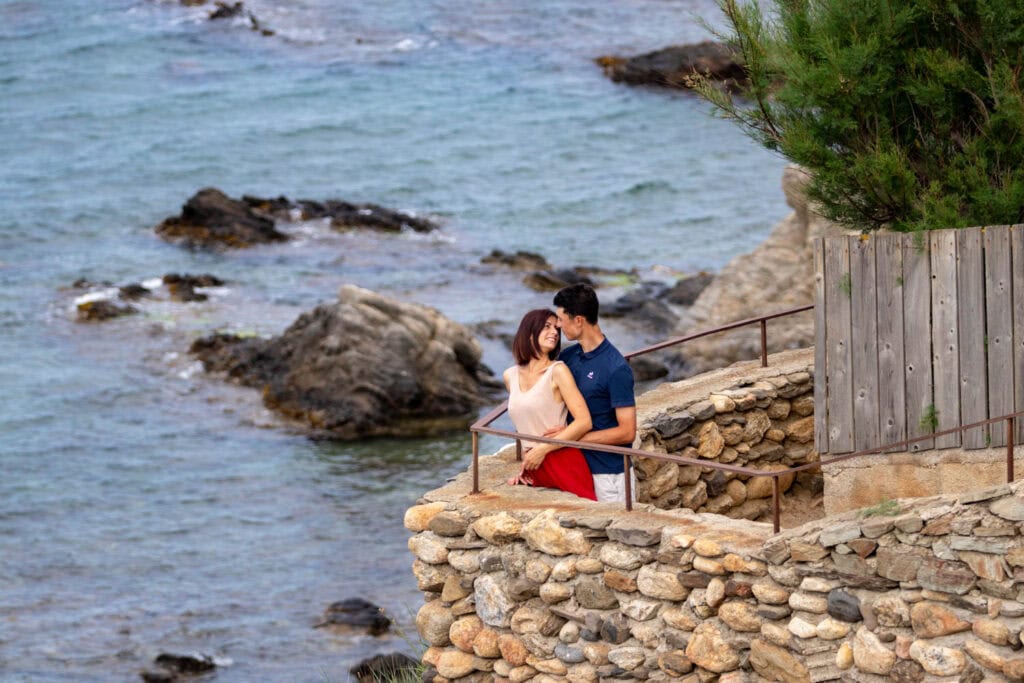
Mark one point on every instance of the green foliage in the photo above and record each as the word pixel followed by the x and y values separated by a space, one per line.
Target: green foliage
pixel 908 113
pixel 886 508
pixel 930 419
pixel 846 285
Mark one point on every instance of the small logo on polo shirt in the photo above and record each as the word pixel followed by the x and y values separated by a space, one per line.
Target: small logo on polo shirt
pixel 590 375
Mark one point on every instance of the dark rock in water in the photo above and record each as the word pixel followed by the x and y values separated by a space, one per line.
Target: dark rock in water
pixel 390 667
pixel 646 368
pixel 162 676
pixel 356 612
pixel 520 260
pixel 364 366
pixel 642 304
pixel 226 11
pixel 211 219
pixel 343 215
pixel 205 280
pixel 674 67
pixel 495 329
pixel 183 287
pixel 687 289
pixel 97 311
pixel 185 664
pixel 133 292
pixel 82 283
pixel 553 280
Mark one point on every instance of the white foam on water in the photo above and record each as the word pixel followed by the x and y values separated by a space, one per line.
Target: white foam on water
pixel 99 295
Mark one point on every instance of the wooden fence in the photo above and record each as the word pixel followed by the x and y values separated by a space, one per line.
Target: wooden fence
pixel 916 334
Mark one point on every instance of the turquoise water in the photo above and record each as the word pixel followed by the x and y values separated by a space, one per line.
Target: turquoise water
pixel 146 508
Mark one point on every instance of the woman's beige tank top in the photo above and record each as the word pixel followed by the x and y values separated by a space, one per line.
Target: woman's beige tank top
pixel 535 411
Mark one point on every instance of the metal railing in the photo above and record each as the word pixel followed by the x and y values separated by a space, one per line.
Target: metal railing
pixel 482 426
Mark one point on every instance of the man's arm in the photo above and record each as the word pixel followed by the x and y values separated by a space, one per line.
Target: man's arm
pixel 623 433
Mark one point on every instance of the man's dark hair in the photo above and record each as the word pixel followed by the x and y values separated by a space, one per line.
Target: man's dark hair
pixel 578 299
pixel 524 346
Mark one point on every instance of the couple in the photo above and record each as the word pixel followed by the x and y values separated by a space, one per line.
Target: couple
pixel 584 393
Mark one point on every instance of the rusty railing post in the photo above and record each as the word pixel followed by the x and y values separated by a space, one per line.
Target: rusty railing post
pixel 519 450
pixel 627 471
pixel 476 463
pixel 1009 450
pixel 764 346
pixel 775 504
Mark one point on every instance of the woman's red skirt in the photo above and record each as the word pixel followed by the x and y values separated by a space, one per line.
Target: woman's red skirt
pixel 565 469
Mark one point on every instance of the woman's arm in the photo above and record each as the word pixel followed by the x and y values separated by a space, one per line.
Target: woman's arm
pixel 581 421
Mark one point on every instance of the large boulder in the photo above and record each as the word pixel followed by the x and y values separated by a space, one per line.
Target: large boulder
pixel 363 366
pixel 675 66
pixel 212 219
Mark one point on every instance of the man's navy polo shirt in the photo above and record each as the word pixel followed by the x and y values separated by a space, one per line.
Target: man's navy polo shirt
pixel 606 382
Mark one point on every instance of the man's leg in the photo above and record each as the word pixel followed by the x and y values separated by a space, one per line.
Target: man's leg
pixel 611 488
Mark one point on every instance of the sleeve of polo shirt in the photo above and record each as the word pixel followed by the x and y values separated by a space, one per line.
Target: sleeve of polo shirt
pixel 620 388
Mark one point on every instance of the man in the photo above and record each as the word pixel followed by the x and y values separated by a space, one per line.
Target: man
pixel 606 382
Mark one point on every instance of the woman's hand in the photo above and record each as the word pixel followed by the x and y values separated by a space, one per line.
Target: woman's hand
pixel 533 458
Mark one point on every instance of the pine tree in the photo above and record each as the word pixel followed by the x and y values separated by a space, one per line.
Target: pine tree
pixel 908 113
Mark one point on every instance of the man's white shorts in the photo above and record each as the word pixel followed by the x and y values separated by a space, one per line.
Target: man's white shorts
pixel 611 488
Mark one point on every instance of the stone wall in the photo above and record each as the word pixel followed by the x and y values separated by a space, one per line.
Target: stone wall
pixel 745 415
pixel 523 584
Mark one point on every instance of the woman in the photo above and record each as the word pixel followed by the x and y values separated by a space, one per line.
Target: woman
pixel 541 394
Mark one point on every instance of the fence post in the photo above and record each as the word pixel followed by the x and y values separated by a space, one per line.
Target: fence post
pixel 476 463
pixel 519 450
pixel 764 343
pixel 627 472
pixel 1009 450
pixel 775 504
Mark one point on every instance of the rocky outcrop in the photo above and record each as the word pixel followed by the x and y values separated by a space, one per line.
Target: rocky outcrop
pixel 212 219
pixel 674 67
pixel 343 215
pixel 777 275
pixel 363 366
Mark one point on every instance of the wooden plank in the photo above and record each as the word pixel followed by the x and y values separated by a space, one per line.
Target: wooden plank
pixel 945 336
pixel 864 346
pixel 1017 268
pixel 820 344
pixel 970 295
pixel 892 411
pixel 839 400
pixel 999 327
pixel 917 336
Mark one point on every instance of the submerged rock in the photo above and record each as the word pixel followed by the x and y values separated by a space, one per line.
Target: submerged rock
pixel 390 667
pixel 102 309
pixel 183 287
pixel 173 667
pixel 212 219
pixel 520 260
pixel 343 215
pixel 366 365
pixel 358 613
pixel 675 66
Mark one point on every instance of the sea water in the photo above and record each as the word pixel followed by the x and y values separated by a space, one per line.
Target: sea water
pixel 147 508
